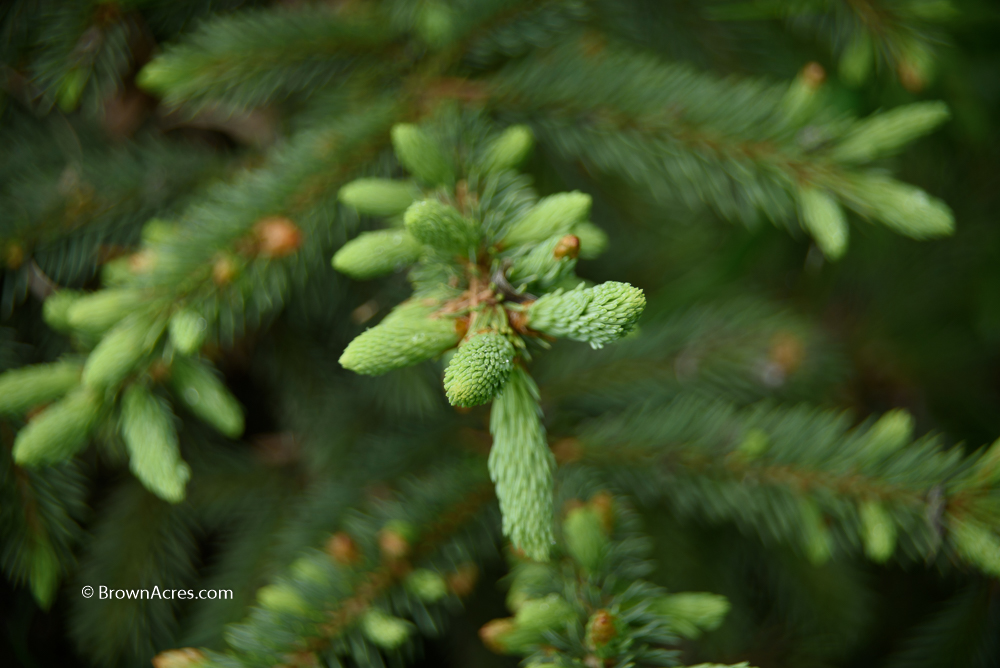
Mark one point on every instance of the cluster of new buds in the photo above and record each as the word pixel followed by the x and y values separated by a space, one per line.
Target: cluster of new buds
pixel 493 276
pixel 590 608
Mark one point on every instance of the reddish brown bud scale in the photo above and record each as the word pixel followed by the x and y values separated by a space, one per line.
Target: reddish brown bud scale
pixel 492 633
pixel 277 237
pixel 393 545
pixel 342 549
pixel 603 505
pixel 813 75
pixel 568 246
pixel 223 271
pixel 178 658
pixel 601 629
pixel 463 581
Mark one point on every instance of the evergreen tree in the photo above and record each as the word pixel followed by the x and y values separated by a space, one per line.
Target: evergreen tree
pixel 295 302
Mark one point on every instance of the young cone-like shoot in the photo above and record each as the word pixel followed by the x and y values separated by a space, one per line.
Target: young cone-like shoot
pixel 521 466
pixel 59 432
pixel 552 216
pixel 597 315
pixel 372 254
pixel 384 630
pixel 379 197
pixel 120 351
pixel 55 311
pixel 479 369
pixel 883 133
pixel 96 313
pixel 824 219
pixel 409 337
pixel 206 396
pixel 23 389
pixel 149 435
pixel 508 150
pixel 421 155
pixel 187 331
pixel 440 226
pixel 692 613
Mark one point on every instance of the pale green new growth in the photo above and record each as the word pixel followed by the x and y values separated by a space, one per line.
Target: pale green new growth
pixel 551 216
pixel 379 197
pixel 187 331
pixel 149 435
pixel 882 133
pixel 692 613
pixel 384 630
pixel 421 155
pixel 508 150
pixel 373 254
pixel 206 396
pixel 55 310
pixel 521 466
pixel 878 531
pixel 479 369
pixel 825 221
pixel 97 312
pixel 441 226
pixel 900 206
pixel 596 315
pixel 978 544
pixel 585 538
pixel 399 342
pixel 426 585
pixel 892 432
pixel 23 389
pixel 59 432
pixel 120 351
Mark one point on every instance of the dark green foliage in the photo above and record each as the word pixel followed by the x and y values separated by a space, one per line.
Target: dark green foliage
pixel 778 464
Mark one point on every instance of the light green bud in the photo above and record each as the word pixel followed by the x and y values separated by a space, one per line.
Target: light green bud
pixel 593 240
pixel 551 613
pixel 551 216
pixel 384 630
pixel 379 197
pixel 120 351
pixel 311 570
pixel 692 613
pixel 206 396
pixel 372 254
pixel 23 389
pixel 116 272
pixel 281 598
pixel 400 342
pixel 421 155
pixel 825 221
pixel 883 133
pixel 59 431
pixel 55 310
pixel 479 369
pixel 508 150
pixel 857 60
pixel 426 585
pixel 596 315
pixel 977 544
pixel 157 231
pixel 44 572
pixel 99 311
pixel 878 531
pixel 902 207
pixel 818 543
pixel 754 444
pixel 154 455
pixel 530 578
pixel 585 537
pixel 893 431
pixel 441 226
pixel 187 331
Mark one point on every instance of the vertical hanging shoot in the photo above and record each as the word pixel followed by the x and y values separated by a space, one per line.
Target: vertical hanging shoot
pixel 493 274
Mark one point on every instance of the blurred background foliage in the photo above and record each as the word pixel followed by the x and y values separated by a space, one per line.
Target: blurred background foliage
pixel 740 310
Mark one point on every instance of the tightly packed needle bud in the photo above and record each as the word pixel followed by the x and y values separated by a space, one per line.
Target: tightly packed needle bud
pixel 597 315
pixel 479 369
